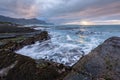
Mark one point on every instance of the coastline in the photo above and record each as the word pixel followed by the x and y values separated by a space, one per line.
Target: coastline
pixel 29 69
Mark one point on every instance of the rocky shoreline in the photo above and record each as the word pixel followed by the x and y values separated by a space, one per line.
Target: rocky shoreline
pixel 102 63
pixel 18 67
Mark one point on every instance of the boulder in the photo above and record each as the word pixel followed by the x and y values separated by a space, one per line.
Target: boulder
pixel 102 63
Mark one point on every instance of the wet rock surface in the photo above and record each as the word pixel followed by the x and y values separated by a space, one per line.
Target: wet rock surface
pixel 20 41
pixel 13 28
pixel 26 68
pixel 102 63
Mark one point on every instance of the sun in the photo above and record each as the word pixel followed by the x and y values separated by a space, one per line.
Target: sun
pixel 86 23
pixel 83 22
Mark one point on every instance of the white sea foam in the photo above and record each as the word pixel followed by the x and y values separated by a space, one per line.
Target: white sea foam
pixel 69 38
pixel 64 46
pixel 59 49
pixel 63 52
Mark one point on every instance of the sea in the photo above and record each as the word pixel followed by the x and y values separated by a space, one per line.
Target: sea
pixel 68 43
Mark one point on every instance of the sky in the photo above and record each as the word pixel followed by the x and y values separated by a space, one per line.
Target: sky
pixel 83 12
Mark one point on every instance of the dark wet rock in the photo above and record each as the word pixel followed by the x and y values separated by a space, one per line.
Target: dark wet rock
pixel 5 36
pixel 18 67
pixel 16 35
pixel 102 63
pixel 6 28
pixel 2 43
pixel 52 70
pixel 24 69
pixel 19 42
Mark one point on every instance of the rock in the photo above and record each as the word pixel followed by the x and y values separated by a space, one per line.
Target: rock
pixel 18 67
pixel 6 28
pixel 5 36
pixel 17 43
pixel 102 63
pixel 24 68
pixel 51 70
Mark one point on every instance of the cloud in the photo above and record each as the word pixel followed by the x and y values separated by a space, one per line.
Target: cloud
pixel 92 11
pixel 62 11
pixel 18 8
